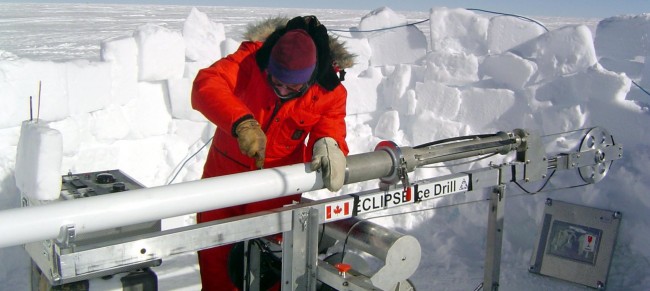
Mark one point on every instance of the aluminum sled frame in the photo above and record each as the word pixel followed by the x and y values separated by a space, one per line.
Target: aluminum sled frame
pixel 303 223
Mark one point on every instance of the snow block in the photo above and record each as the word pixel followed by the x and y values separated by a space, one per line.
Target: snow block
pixel 632 68
pixel 480 108
pixel 202 37
pixel 563 51
pixel 380 18
pixel 387 127
pixel 192 132
pixel 229 46
pixel 161 53
pixel 20 79
pixel 72 130
pixel 394 46
pixel 508 69
pixel 594 84
pixel 89 85
pixel 361 48
pixel 458 30
pixel 443 128
pixel 623 37
pixel 360 138
pixel 180 91
pixel 38 161
pixel 122 53
pixel 148 115
pixel 441 100
pixel 401 45
pixel 362 91
pixel 392 88
pixel 505 32
pixel 451 68
pixel 109 125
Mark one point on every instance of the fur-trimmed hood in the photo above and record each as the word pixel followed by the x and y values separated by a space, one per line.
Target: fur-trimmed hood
pixel 330 49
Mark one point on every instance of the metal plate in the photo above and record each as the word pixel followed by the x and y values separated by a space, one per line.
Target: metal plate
pixel 576 243
pixel 596 139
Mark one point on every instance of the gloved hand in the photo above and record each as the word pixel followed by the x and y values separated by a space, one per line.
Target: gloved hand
pixel 330 160
pixel 252 140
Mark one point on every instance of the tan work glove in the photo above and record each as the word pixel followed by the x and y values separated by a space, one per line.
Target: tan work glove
pixel 330 160
pixel 252 140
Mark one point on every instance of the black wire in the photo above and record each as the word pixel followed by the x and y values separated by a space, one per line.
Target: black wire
pixel 380 29
pixel 538 190
pixel 428 19
pixel 345 243
pixel 642 89
pixel 508 14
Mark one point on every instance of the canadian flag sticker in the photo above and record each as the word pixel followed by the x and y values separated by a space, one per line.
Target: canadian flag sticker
pixel 338 210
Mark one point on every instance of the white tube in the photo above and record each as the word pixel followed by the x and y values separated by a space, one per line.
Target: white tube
pixel 29 224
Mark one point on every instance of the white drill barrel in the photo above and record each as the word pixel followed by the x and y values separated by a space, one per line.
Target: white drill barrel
pixel 29 224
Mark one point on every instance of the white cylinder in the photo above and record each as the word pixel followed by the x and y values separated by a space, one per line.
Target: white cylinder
pixel 36 223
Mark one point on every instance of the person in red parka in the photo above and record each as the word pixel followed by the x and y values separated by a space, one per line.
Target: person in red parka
pixel 275 102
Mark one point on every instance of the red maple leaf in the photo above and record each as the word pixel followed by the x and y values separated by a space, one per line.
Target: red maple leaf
pixel 338 209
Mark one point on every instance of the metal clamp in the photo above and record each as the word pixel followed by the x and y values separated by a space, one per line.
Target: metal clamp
pixel 400 166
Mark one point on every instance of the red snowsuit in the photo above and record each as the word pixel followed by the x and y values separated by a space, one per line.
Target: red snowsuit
pixel 235 88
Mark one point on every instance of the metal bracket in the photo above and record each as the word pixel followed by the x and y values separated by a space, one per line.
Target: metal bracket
pixel 66 236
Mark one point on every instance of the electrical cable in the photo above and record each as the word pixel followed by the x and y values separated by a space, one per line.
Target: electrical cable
pixel 345 243
pixel 428 19
pixel 381 29
pixel 535 192
pixel 509 14
pixel 188 159
pixel 642 89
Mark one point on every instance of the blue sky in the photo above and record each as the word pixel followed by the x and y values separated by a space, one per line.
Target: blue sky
pixel 564 8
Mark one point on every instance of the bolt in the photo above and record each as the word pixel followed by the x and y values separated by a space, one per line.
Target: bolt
pixel 549 201
pixel 616 214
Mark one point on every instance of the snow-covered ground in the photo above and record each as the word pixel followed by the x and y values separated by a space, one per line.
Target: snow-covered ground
pixel 120 101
